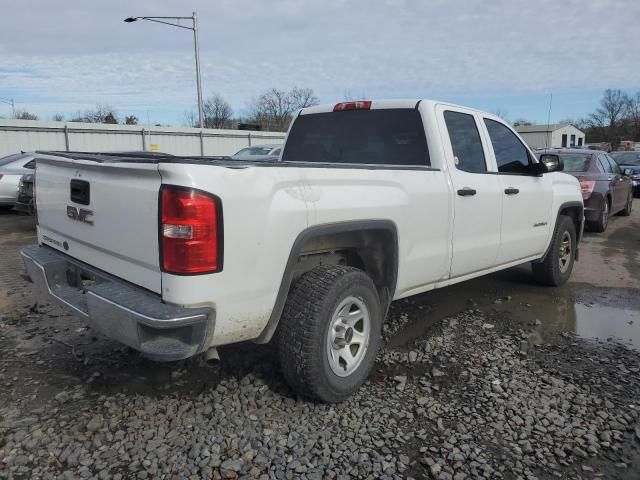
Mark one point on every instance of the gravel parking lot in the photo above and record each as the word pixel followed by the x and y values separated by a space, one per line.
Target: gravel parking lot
pixel 493 378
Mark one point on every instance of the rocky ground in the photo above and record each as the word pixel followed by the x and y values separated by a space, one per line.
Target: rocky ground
pixel 487 389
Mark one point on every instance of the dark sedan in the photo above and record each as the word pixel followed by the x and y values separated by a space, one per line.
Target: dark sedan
pixel 605 189
pixel 24 202
pixel 629 163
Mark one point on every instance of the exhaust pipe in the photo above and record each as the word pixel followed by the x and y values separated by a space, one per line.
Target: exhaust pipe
pixel 211 356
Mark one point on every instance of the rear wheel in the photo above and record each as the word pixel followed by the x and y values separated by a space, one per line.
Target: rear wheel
pixel 557 265
pixel 600 225
pixel 329 332
pixel 627 209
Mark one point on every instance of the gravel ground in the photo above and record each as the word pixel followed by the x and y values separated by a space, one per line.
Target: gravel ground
pixel 476 394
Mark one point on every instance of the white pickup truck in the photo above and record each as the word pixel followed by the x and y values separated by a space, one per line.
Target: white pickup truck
pixel 369 202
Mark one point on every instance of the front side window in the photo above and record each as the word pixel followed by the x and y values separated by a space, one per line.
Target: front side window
pixel 511 155
pixel 465 141
pixel 393 136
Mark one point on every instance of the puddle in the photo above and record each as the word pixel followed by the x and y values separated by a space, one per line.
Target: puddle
pixel 604 314
pixel 603 323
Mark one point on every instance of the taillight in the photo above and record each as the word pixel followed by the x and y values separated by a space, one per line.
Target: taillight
pixel 33 195
pixel 190 231
pixel 586 187
pixel 358 105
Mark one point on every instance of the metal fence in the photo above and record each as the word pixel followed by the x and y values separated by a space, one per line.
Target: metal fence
pixel 27 135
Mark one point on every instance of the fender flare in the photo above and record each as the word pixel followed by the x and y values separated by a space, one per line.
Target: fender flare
pixel 317 231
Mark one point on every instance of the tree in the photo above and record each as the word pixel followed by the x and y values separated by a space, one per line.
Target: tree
pixel 101 114
pixel 216 112
pixel 131 120
pixel 521 122
pixel 24 115
pixel 501 112
pixel 57 117
pixel 274 109
pixel 633 114
pixel 613 107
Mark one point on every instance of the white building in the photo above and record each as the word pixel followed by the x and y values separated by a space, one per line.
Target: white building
pixel 551 136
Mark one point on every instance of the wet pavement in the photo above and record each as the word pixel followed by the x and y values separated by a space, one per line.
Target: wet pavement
pixel 46 353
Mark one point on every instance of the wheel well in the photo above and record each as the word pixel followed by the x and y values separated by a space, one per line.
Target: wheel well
pixel 371 250
pixel 576 213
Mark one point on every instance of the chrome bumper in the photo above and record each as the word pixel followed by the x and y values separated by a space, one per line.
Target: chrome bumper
pixel 117 309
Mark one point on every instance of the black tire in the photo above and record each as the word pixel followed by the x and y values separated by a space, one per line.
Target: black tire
pixel 627 208
pixel 549 270
pixel 600 225
pixel 302 336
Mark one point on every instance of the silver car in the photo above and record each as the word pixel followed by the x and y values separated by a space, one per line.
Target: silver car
pixel 12 168
pixel 259 152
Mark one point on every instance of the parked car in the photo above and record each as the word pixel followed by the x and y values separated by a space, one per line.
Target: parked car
pixel 12 168
pixel 178 256
pixel 605 189
pixel 259 152
pixel 629 163
pixel 24 201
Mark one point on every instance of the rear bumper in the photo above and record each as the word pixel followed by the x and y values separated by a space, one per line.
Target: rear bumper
pixel 117 309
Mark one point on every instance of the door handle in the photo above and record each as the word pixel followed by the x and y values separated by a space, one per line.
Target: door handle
pixel 466 192
pixel 511 191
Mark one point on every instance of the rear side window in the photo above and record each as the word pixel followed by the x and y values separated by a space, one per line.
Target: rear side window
pixel 378 137
pixel 575 163
pixel 465 141
pixel 614 166
pixel 511 155
pixel 605 163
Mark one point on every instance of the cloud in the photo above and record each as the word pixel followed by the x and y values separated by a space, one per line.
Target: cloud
pixel 82 53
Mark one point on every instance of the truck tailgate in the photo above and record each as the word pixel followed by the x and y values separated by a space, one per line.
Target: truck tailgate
pixel 102 213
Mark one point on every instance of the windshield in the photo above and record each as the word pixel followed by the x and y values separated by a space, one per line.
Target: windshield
pixel 392 136
pixel 10 159
pixel 627 158
pixel 254 151
pixel 575 163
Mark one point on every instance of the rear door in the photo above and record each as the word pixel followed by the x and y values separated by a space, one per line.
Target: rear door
pixel 102 213
pixel 477 194
pixel 526 210
pixel 621 185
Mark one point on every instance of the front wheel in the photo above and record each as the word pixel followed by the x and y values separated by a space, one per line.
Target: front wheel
pixel 555 269
pixel 329 332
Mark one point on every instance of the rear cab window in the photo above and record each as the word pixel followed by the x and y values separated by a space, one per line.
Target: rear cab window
pixel 467 147
pixel 386 137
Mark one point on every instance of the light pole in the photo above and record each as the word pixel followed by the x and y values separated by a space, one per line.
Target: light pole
pixel 10 102
pixel 196 42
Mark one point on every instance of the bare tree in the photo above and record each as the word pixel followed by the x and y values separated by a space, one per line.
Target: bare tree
pixel 633 114
pixel 522 122
pixel 131 120
pixel 57 117
pixel 217 112
pixel 501 112
pixel 101 114
pixel 613 107
pixel 274 108
pixel 24 115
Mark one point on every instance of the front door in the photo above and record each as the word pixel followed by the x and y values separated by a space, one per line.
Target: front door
pixel 526 209
pixel 477 193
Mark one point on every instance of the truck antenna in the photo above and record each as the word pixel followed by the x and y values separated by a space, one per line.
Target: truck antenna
pixel 548 133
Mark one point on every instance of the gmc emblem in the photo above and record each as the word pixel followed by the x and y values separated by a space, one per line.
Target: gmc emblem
pixel 80 214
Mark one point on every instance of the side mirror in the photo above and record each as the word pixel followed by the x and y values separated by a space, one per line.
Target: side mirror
pixel 551 162
pixel 628 172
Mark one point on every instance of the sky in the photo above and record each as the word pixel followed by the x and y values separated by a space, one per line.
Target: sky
pixel 61 56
